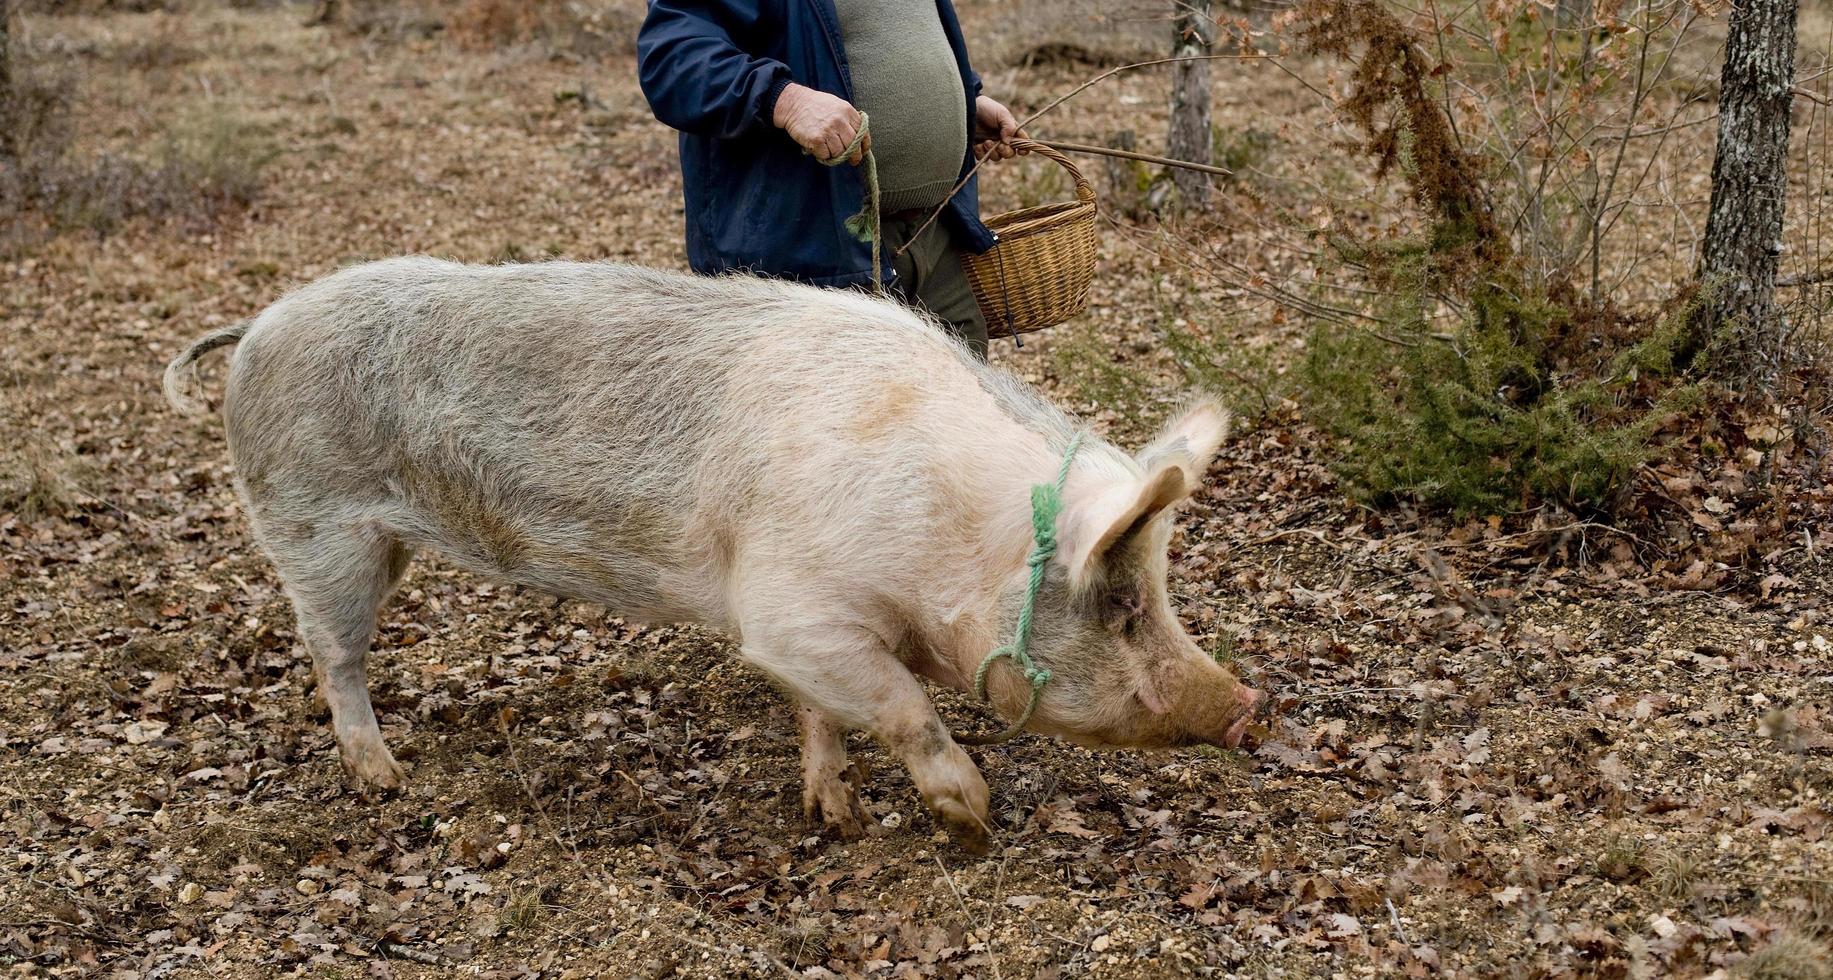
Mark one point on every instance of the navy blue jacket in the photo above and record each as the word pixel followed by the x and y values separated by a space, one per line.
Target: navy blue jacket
pixel 713 70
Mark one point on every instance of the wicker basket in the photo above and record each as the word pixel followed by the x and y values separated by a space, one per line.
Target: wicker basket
pixel 1038 274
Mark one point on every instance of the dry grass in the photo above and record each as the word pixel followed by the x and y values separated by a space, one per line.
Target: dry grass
pixel 36 482
pixel 1789 956
pixel 195 166
pixel 1077 34
pixel 574 29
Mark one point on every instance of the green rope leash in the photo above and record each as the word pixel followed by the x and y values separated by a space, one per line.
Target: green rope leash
pixel 1046 504
pixel 864 224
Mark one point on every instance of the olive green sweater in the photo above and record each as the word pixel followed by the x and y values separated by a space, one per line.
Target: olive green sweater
pixel 906 79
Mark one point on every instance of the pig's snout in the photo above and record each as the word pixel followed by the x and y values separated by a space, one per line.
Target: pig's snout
pixel 1246 698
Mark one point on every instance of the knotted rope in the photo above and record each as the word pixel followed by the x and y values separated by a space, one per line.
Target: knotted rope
pixel 865 224
pixel 1046 505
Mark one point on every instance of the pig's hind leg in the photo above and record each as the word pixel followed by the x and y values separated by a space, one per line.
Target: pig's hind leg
pixel 338 578
pixel 830 787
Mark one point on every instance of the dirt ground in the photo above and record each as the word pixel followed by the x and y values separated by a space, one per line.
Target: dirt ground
pixel 1486 761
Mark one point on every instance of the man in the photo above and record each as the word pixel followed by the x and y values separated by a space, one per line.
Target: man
pixel 763 89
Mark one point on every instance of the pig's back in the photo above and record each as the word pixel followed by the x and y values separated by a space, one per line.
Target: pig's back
pixel 595 430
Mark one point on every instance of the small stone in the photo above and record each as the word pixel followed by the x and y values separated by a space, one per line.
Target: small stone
pixel 307 886
pixel 1101 943
pixel 191 892
pixel 142 732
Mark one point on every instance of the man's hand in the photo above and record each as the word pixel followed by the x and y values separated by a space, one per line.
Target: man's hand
pixel 994 128
pixel 823 124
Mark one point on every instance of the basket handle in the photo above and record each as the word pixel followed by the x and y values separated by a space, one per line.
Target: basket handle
pixel 1085 192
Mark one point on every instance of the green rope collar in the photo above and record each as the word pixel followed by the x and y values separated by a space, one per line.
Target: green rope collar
pixel 1046 505
pixel 865 224
pixel 1046 498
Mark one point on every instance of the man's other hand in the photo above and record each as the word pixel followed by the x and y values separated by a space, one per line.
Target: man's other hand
pixel 994 128
pixel 823 124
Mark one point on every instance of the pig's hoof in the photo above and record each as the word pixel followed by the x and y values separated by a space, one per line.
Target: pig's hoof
pixel 846 826
pixel 967 828
pixel 972 838
pixel 835 805
pixel 376 768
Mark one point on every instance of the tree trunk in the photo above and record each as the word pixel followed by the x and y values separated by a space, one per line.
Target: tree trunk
pixel 1737 262
pixel 1191 138
pixel 324 13
pixel 7 149
pixel 1124 195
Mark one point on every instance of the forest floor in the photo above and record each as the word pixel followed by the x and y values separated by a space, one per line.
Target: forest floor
pixel 1490 757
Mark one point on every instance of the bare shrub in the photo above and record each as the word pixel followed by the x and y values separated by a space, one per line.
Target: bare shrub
pixel 201 167
pixel 1074 33
pixel 38 481
pixel 1454 376
pixel 496 23
pixel 93 6
pixel 579 27
pixel 1527 392
pixel 1473 352
pixel 1406 128
pixel 1581 120
pixel 385 20
pixel 1791 955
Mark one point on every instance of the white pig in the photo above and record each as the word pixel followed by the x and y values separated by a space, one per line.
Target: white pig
pixel 826 477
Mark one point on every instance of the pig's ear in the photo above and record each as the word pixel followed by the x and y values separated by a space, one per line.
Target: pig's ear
pixel 1190 440
pixel 1106 523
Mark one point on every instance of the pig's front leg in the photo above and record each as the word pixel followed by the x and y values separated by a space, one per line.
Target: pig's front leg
pixel 848 675
pixel 951 784
pixel 830 787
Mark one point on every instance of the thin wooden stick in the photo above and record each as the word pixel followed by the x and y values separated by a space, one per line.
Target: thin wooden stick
pixel 1804 279
pixel 1072 93
pixel 1108 151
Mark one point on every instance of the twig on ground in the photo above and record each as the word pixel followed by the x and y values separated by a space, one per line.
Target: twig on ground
pixel 968 917
pixel 401 951
pixel 1542 532
pixel 515 760
pixel 1353 690
pixel 1288 532
pixel 949 877
pixel 1400 930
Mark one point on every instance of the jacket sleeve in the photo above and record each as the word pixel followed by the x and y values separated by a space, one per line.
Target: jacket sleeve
pixel 696 76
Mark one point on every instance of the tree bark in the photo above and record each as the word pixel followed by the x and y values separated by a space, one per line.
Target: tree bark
pixel 1191 136
pixel 324 13
pixel 1743 240
pixel 7 149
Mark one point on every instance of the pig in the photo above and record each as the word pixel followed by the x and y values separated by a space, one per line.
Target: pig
pixel 824 476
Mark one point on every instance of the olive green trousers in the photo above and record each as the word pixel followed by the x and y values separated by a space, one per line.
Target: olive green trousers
pixel 929 277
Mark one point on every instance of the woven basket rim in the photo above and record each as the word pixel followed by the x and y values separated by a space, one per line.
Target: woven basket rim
pixel 1029 221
